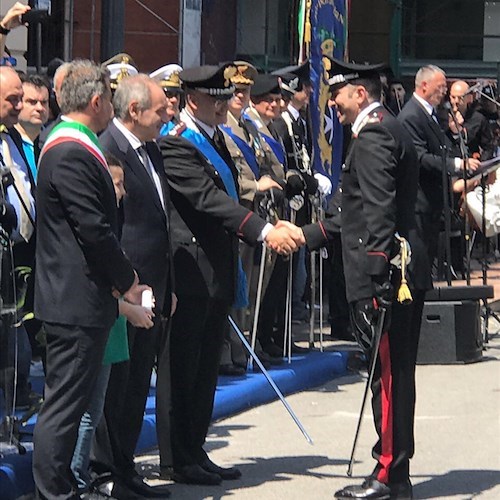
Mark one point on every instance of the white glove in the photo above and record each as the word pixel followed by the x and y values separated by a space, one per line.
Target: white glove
pixel 324 184
pixel 396 260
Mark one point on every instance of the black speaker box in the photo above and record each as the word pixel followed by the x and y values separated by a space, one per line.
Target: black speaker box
pixel 450 333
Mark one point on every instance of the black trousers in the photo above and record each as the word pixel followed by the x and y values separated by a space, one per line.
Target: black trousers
pixel 74 359
pixel 272 309
pixel 429 226
pixel 198 329
pixel 337 300
pixel 128 389
pixel 393 392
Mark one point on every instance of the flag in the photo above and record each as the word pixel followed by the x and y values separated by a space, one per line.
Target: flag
pixel 328 19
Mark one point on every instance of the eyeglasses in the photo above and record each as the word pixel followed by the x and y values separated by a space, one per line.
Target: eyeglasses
pixel 271 100
pixel 8 61
pixel 171 94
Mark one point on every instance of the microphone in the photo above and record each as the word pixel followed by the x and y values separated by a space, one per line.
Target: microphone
pixel 475 88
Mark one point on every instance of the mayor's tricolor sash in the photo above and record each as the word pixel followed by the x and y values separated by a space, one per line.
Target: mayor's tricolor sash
pixel 210 153
pixel 71 131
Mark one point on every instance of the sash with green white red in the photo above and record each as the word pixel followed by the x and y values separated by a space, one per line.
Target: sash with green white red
pixel 72 131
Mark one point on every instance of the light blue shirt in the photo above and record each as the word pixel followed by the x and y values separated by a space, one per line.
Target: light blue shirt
pixel 12 197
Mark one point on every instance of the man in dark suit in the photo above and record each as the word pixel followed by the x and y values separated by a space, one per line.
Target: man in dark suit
pixel 379 189
pixel 140 112
pixel 206 223
pixel 19 200
pixel 81 268
pixel 420 120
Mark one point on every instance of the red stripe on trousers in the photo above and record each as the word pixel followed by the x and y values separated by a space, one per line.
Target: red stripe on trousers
pixel 386 432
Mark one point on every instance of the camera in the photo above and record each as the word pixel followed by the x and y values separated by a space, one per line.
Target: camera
pixel 34 16
pixel 6 178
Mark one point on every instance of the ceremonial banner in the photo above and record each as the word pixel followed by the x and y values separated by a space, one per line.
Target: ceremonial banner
pixel 328 37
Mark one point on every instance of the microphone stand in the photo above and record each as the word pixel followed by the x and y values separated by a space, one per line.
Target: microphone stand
pixel 447 214
pixel 465 158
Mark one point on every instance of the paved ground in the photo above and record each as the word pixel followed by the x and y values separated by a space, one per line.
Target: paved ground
pixel 457 439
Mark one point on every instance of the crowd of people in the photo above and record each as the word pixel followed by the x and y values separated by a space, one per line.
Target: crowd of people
pixel 196 186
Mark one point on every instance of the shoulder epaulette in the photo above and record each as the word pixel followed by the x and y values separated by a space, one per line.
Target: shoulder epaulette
pixel 374 117
pixel 178 129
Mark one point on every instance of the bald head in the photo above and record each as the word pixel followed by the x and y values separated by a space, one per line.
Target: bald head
pixel 11 96
pixel 459 101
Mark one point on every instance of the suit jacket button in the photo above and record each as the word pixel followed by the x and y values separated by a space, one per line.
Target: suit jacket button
pixel 360 240
pixel 216 173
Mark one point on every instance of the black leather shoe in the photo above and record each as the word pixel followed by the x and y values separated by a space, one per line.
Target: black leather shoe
pixel 95 495
pixel 195 474
pixel 273 350
pixel 371 488
pixel 226 473
pixel 137 485
pixel 401 491
pixel 232 370
pixel 296 349
pixel 120 491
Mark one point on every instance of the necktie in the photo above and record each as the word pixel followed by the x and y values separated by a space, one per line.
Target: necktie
pixel 435 116
pixel 219 141
pixel 220 145
pixel 25 226
pixel 143 154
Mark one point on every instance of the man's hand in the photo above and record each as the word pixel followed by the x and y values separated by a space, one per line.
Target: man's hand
pixel 13 17
pixel 472 164
pixel 364 318
pixel 265 183
pixel 140 317
pixel 134 293
pixel 173 305
pixel 285 238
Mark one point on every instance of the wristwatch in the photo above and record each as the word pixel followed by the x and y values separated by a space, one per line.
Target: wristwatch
pixel 3 30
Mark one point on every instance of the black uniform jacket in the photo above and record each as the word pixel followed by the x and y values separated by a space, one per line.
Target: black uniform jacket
pixel 428 138
pixel 145 230
pixel 379 188
pixel 79 258
pixel 206 223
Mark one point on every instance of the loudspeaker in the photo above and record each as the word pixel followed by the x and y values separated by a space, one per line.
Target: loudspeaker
pixel 450 333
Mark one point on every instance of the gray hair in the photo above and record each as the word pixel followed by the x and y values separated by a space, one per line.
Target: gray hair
pixel 60 73
pixel 425 73
pixel 132 88
pixel 84 80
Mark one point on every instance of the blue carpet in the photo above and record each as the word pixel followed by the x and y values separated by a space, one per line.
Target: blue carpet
pixel 233 395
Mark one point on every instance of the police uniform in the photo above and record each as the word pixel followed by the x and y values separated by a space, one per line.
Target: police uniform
pixel 380 180
pixel 168 77
pixel 120 66
pixel 205 225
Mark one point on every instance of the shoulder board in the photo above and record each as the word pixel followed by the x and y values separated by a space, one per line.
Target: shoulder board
pixel 178 129
pixel 374 117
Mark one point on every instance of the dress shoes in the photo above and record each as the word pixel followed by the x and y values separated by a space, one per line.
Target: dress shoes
pixel 195 474
pixel 273 350
pixel 296 349
pixel 96 495
pixel 226 473
pixel 232 370
pixel 135 485
pixel 371 488
pixel 268 360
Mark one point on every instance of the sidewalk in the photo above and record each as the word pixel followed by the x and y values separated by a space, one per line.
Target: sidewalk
pixel 457 439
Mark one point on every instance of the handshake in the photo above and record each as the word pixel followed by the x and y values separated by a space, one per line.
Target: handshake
pixel 285 238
